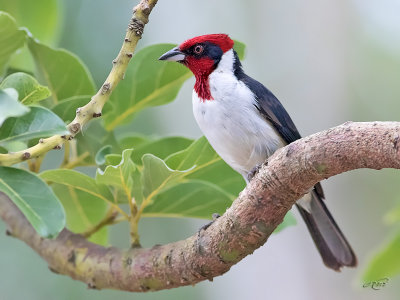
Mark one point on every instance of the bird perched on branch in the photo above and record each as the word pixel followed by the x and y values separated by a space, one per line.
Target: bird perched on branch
pixel 245 124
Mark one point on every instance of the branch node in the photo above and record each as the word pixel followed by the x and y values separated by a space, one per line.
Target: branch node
pixel 144 288
pixel 137 26
pixel 128 261
pixel 78 110
pixel 96 115
pixel 105 88
pixel 127 40
pixel 92 286
pixel 53 270
pixel 396 143
pixel 41 141
pixel 72 258
pixel 26 156
pixel 8 232
pixel 129 55
pixel 74 128
pixel 58 147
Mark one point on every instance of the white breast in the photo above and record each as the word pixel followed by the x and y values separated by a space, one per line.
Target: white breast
pixel 232 124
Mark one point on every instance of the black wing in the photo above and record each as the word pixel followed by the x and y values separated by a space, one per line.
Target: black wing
pixel 269 106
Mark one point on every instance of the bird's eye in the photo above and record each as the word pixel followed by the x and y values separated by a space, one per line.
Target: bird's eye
pixel 198 49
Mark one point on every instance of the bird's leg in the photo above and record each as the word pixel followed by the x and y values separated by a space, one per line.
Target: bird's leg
pixel 215 216
pixel 253 172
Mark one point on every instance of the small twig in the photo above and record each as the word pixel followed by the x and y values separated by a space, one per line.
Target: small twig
pixel 109 219
pixel 75 162
pixel 66 158
pixel 94 108
pixel 35 164
pixel 135 239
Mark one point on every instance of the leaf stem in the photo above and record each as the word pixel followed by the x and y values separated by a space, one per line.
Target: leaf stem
pixel 109 219
pixel 34 165
pixel 76 162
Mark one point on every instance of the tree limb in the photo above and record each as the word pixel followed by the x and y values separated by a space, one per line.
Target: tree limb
pixel 245 226
pixel 93 109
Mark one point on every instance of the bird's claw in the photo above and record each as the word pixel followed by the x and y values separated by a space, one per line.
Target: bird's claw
pixel 253 172
pixel 215 216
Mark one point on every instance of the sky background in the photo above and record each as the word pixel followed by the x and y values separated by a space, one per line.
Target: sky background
pixel 327 61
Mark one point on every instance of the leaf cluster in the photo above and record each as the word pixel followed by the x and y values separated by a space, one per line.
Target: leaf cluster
pixel 137 176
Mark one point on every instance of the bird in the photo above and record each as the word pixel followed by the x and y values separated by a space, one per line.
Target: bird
pixel 245 124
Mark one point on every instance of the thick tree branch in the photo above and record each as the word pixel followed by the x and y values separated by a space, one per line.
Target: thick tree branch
pixel 290 173
pixel 94 108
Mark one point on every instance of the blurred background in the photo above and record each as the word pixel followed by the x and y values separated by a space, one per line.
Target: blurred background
pixel 327 61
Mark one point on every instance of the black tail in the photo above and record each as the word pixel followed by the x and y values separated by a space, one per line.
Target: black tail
pixel 330 241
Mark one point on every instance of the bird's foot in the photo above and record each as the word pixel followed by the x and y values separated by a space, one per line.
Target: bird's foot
pixel 253 172
pixel 215 216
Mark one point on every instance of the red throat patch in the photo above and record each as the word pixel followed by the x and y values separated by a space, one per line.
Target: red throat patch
pixel 201 68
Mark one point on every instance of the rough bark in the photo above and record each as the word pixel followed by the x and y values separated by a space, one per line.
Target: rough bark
pixel 259 208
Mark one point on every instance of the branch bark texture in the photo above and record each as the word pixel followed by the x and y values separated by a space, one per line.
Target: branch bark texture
pixel 245 226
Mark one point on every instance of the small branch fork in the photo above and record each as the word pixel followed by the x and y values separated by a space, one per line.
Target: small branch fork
pixel 93 109
pixel 245 226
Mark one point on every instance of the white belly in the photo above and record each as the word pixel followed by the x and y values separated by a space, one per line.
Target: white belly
pixel 233 126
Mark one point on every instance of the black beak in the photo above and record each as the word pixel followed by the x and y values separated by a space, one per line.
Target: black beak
pixel 173 55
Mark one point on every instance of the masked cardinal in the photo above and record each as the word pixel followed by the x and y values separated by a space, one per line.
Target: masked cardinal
pixel 245 124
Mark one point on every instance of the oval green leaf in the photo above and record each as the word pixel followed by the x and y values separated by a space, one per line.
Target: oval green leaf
pixel 161 148
pixel 192 199
pixel 66 109
pixel 63 72
pixel 385 263
pixel 35 200
pixel 43 19
pixel 9 105
pixel 29 90
pixel 39 122
pixel 148 82
pixel 11 39
pixel 84 201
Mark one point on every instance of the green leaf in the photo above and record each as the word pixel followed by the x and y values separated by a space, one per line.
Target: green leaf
pixel 29 90
pixel 156 175
pixel 161 148
pixel 39 122
pixel 64 73
pixel 43 19
pixel 92 139
pixel 9 105
pixel 239 47
pixel 148 82
pixel 11 39
pixel 289 220
pixel 209 166
pixel 393 216
pixel 35 200
pixel 133 141
pixel 119 175
pixel 100 157
pixel 66 109
pixel 84 200
pixel 78 181
pixel 385 263
pixel 195 199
